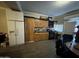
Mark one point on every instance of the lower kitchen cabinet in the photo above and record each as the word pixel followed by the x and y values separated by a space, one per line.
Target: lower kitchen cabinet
pixel 40 36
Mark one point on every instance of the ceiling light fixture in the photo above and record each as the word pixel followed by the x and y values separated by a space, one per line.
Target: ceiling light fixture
pixel 62 3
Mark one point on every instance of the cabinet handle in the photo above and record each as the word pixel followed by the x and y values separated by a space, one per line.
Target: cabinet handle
pixel 12 31
pixel 15 34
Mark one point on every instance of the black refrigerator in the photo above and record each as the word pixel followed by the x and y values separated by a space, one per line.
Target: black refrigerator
pixel 51 33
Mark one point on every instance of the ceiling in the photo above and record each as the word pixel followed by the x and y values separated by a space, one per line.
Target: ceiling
pixel 50 8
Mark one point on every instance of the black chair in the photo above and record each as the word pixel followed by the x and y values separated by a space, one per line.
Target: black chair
pixel 67 38
pixel 63 51
pixel 2 37
pixel 60 48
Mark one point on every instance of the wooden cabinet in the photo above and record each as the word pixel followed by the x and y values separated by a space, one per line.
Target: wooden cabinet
pixel 29 29
pixel 44 23
pixel 30 24
pixel 41 36
pixel 41 23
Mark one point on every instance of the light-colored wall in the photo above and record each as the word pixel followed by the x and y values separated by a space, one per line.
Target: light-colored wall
pixel 59 19
pixel 68 27
pixel 2 4
pixel 14 15
pixel 3 20
pixel 71 16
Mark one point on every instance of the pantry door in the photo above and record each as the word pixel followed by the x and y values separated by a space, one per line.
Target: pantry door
pixel 20 32
pixel 12 33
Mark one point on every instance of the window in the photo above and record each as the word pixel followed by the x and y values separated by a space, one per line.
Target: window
pixel 58 27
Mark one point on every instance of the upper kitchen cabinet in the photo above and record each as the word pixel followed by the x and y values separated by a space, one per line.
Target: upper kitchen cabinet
pixel 36 22
pixel 14 15
pixel 41 23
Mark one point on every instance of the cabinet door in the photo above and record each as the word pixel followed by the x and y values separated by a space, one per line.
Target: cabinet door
pixel 41 23
pixel 43 36
pixel 40 36
pixel 36 23
pixel 44 23
pixel 36 37
pixel 11 32
pixel 20 32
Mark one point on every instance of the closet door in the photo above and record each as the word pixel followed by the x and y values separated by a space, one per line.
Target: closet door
pixel 20 32
pixel 11 32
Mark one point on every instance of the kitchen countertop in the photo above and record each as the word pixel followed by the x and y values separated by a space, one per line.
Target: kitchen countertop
pixel 42 33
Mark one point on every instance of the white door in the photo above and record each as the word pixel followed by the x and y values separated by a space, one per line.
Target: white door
pixel 69 27
pixel 20 32
pixel 16 32
pixel 12 34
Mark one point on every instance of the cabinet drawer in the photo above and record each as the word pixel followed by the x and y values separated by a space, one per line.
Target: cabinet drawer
pixel 38 37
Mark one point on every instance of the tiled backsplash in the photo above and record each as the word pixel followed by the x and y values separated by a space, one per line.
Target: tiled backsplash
pixel 40 29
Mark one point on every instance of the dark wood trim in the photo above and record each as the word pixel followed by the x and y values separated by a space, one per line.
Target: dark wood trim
pixel 35 18
pixel 16 20
pixel 30 17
